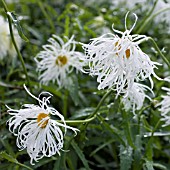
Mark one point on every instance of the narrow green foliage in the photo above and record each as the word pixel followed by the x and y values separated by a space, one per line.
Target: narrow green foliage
pixel 159 166
pixel 7 146
pixel 102 146
pixel 73 89
pixel 127 129
pixel 112 130
pixel 149 149
pixel 67 24
pixel 16 22
pixel 108 138
pixel 4 155
pixel 125 157
pixel 137 153
pixel 83 113
pixel 80 154
pixel 148 165
pixel 60 163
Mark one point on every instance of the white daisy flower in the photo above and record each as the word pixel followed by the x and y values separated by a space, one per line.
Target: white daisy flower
pixel 135 96
pixel 4 38
pixel 58 60
pixel 118 61
pixel 36 131
pixel 6 46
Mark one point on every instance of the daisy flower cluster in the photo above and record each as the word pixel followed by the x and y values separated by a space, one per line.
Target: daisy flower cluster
pixel 57 60
pixel 36 131
pixel 119 63
pixel 6 47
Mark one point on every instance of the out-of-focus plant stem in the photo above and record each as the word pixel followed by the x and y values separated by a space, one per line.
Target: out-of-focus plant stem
pixel 14 43
pixel 159 51
pixel 150 18
pixel 46 15
pixel 147 16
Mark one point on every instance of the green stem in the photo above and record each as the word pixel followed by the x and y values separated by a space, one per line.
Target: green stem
pixel 14 43
pixel 156 126
pixel 25 166
pixel 80 121
pixel 65 103
pixel 159 51
pixel 113 130
pixel 100 103
pixel 84 126
pixel 147 16
pixel 149 147
pixel 46 15
pixel 150 18
pixel 128 130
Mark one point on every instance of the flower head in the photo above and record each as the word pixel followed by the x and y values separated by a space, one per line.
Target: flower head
pixel 36 131
pixel 57 60
pixel 4 37
pixel 6 46
pixel 135 96
pixel 119 61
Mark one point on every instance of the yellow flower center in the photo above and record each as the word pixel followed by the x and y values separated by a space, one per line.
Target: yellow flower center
pixel 40 122
pixel 61 60
pixel 127 51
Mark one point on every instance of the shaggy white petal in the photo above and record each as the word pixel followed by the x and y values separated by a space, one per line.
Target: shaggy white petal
pixel 57 60
pixel 36 131
pixel 118 61
pixel 165 106
pixel 6 46
pixel 135 96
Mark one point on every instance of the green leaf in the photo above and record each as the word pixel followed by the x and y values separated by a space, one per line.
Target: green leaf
pixel 8 157
pixel 4 155
pixel 67 24
pixel 137 152
pixel 80 154
pixel 112 129
pixel 148 165
pixel 18 26
pixel 7 146
pixel 149 149
pixel 83 113
pixel 73 89
pixel 102 146
pixel 125 157
pixel 159 166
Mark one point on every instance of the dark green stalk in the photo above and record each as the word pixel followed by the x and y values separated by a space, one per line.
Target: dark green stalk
pixel 46 15
pixel 14 43
pixel 90 118
pixel 150 18
pixel 147 16
pixel 128 130
pixel 159 51
pixel 79 121
pixel 65 103
pixel 100 103
pixel 84 126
